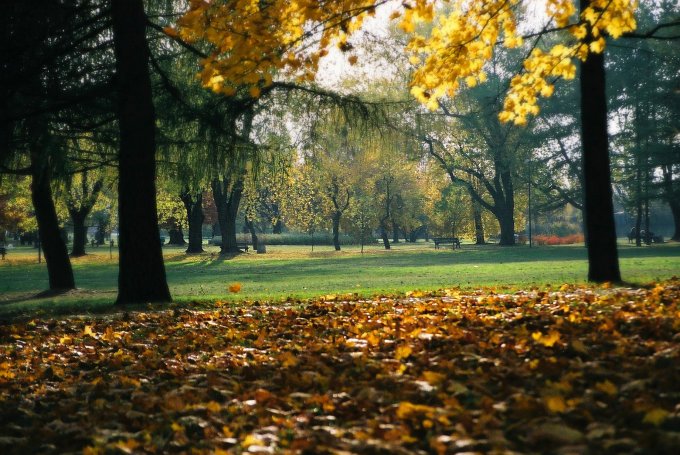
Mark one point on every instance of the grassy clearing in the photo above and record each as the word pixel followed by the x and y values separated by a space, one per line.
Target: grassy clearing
pixel 295 272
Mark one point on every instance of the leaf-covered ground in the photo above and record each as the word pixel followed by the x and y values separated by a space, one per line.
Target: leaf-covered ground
pixel 574 370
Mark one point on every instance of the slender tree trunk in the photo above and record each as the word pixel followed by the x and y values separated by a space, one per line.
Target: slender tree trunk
pixel 603 259
pixel 277 227
pixel 79 234
pixel 675 211
pixel 336 230
pixel 638 197
pixel 227 201
pixel 479 226
pixel 253 233
pixel 195 217
pixel 395 232
pixel 141 275
pixel 673 199
pixel 385 237
pixel 59 271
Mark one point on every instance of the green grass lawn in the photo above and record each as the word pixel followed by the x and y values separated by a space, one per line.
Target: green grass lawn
pixel 297 272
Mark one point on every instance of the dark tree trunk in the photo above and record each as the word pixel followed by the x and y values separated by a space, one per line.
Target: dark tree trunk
pixel 195 217
pixel 385 237
pixel 505 205
pixel 59 271
pixel 395 232
pixel 79 234
pixel 277 227
pixel 507 224
pixel 253 233
pixel 603 259
pixel 336 230
pixel 79 208
pixel 675 210
pixel 479 225
pixel 141 275
pixel 672 197
pixel 176 236
pixel 227 201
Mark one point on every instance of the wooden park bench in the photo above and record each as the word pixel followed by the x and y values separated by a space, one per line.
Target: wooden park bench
pixel 453 241
pixel 3 252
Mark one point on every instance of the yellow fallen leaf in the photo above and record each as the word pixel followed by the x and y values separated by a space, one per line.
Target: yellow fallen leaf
pixel 213 406
pixel 402 352
pixel 656 416
pixel 67 340
pixel 87 331
pixel 373 339
pixel 288 359
pixel 109 335
pixel 127 446
pixel 555 403
pixel 579 346
pixel 252 440
pixel 548 340
pixel 607 387
pixel 235 288
pixel 433 377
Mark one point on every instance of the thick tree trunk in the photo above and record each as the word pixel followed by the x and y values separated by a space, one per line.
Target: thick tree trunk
pixel 395 232
pixel 603 259
pixel 227 201
pixel 506 222
pixel 79 234
pixel 59 271
pixel 141 275
pixel 336 230
pixel 195 217
pixel 176 236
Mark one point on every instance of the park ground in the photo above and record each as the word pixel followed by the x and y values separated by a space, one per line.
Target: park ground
pixel 411 351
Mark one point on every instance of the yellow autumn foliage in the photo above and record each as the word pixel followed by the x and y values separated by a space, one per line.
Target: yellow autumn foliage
pixel 252 40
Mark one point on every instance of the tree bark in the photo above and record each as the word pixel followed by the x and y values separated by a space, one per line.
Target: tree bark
pixel 176 236
pixel 227 200
pixel 673 199
pixel 395 232
pixel 507 225
pixel 336 230
pixel 59 270
pixel 603 260
pixel 253 233
pixel 277 226
pixel 385 237
pixel 195 217
pixel 141 275
pixel 675 210
pixel 79 234
pixel 479 226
